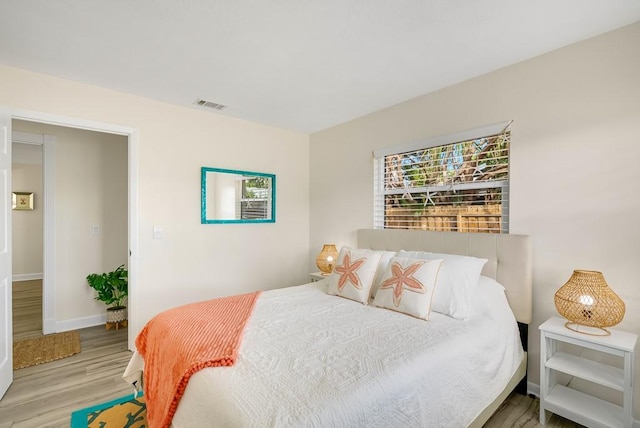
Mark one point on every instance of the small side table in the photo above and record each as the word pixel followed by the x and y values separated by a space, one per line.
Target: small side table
pixel 116 325
pixel 317 276
pixel 576 405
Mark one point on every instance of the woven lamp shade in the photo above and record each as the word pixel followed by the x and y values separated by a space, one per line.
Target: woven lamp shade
pixel 587 300
pixel 327 258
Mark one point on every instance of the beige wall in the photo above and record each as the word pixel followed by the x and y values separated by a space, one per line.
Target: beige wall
pixel 193 261
pixel 27 225
pixel 574 174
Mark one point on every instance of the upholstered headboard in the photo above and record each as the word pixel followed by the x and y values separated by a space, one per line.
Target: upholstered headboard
pixel 509 256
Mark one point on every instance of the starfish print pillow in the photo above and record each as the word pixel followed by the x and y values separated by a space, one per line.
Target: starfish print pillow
pixel 353 274
pixel 457 279
pixel 407 286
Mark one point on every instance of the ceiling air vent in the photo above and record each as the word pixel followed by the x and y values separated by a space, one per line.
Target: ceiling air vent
pixel 210 104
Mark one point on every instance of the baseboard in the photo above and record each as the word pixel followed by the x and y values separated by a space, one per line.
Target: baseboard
pixel 77 323
pixel 26 277
pixel 48 326
pixel 533 388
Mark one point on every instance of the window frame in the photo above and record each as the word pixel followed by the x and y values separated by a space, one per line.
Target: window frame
pixel 379 155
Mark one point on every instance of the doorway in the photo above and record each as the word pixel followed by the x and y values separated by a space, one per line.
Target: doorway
pixel 87 214
pixel 7 116
pixel 130 136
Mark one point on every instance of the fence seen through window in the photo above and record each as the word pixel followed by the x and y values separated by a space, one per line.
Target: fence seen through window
pixel 461 186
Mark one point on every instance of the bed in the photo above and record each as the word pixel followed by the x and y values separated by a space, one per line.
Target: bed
pixel 308 358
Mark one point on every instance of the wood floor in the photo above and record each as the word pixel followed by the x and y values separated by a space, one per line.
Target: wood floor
pixel 27 309
pixel 47 394
pixel 523 411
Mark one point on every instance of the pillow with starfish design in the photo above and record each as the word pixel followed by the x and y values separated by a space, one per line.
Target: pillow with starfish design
pixel 407 286
pixel 456 281
pixel 353 274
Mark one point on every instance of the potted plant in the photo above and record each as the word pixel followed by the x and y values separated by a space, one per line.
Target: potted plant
pixel 112 288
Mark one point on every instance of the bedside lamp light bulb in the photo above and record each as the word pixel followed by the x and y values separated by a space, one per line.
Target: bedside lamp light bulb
pixel 586 300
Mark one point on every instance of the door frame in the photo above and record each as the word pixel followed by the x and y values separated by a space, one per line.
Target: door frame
pixel 132 147
pixel 6 316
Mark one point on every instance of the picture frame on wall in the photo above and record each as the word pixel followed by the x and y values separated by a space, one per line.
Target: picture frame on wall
pixel 22 201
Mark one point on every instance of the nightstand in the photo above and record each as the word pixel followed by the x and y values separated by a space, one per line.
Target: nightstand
pixel 317 276
pixel 575 405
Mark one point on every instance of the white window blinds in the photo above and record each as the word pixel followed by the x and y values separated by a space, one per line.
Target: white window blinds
pixel 453 183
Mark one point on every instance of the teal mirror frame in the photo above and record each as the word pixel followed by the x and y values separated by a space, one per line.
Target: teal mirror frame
pixel 204 219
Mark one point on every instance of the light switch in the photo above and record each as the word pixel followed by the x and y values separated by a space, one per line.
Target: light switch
pixel 157 232
pixel 95 230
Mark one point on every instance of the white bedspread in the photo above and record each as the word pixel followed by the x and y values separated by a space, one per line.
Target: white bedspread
pixel 310 359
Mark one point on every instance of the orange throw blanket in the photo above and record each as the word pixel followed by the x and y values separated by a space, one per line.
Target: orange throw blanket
pixel 177 343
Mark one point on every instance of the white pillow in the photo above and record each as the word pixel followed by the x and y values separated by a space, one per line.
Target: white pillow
pixel 407 286
pixel 489 299
pixel 353 274
pixel 456 281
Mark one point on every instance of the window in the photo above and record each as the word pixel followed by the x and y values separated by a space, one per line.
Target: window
pixel 454 183
pixel 255 202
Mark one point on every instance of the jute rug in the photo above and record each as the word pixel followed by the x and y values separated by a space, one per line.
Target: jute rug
pixel 124 412
pixel 38 350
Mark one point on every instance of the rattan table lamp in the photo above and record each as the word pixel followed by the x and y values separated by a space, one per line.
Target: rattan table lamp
pixel 327 258
pixel 586 300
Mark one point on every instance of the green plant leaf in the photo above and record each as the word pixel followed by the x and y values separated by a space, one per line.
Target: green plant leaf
pixel 111 287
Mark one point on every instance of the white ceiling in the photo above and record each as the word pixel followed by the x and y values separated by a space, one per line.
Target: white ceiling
pixel 302 65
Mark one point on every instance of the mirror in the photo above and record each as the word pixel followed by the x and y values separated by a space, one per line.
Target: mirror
pixel 230 196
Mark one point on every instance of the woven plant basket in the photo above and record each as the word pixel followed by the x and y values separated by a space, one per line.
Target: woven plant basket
pixel 116 314
pixel 587 300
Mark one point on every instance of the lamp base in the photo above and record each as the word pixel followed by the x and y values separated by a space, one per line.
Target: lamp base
pixel 587 329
